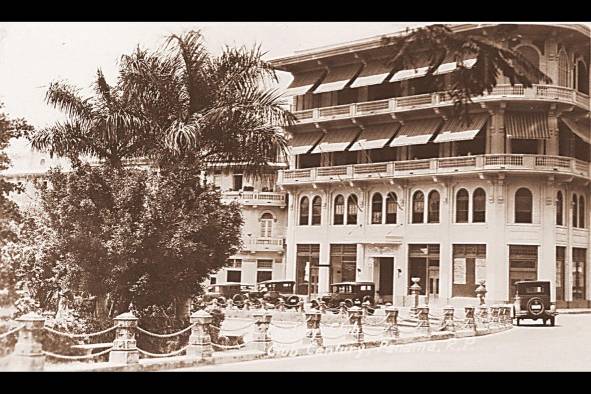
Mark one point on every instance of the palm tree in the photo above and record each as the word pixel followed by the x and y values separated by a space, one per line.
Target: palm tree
pixel 494 53
pixel 206 108
pixel 178 104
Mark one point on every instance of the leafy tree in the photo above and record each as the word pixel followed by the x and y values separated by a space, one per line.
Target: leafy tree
pixel 494 51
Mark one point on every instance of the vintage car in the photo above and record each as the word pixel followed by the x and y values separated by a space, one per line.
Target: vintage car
pixel 351 293
pixel 271 291
pixel 225 291
pixel 532 301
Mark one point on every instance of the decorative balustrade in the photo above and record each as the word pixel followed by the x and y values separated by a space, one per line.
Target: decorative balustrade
pixel 536 92
pixel 443 165
pixel 258 198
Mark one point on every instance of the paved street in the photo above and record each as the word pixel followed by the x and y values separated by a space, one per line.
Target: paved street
pixel 566 347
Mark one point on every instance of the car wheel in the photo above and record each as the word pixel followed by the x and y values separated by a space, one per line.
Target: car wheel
pixel 552 322
pixel 238 298
pixel 518 322
pixel 349 303
pixel 315 304
pixel 293 300
pixel 535 307
pixel 368 298
pixel 221 300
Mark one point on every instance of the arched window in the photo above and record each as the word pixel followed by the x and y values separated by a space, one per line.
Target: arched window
pixel 559 209
pixel 304 211
pixel 575 210
pixel 266 225
pixel 582 77
pixel 530 54
pixel 391 208
pixel 581 212
pixel 563 69
pixel 433 214
pixel 316 210
pixel 479 206
pixel 376 208
pixel 352 209
pixel 418 207
pixel 339 210
pixel 462 206
pixel 523 206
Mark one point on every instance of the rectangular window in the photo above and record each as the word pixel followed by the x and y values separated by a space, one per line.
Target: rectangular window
pixel 264 275
pixel 264 263
pixel 237 181
pixel 579 257
pixel 469 267
pixel 212 280
pixel 343 262
pixel 523 265
pixel 235 263
pixel 234 276
pixel 424 264
pixel 309 160
pixel 560 257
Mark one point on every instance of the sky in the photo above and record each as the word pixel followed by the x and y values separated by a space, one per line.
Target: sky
pixel 33 54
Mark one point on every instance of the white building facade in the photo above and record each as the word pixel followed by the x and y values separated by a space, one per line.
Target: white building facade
pixel 386 183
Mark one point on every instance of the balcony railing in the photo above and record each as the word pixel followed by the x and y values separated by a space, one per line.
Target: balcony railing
pixel 256 198
pixel 536 92
pixel 438 166
pixel 264 244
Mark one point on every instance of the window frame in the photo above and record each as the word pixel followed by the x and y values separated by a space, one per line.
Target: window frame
pixel 457 206
pixel 517 213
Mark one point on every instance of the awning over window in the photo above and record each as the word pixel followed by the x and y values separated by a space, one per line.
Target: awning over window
pixel 373 73
pixel 416 132
pixel 375 136
pixel 302 83
pixel 336 140
pixel 581 127
pixel 443 68
pixel 527 125
pixel 337 78
pixel 301 143
pixel 461 129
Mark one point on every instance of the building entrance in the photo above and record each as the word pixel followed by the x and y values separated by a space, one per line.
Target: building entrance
pixel 423 263
pixel 385 292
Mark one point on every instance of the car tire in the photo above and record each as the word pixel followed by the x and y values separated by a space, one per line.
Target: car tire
pixel 315 304
pixel 238 299
pixel 368 298
pixel 518 322
pixel 552 322
pixel 349 303
pixel 221 300
pixel 537 313
pixel 293 300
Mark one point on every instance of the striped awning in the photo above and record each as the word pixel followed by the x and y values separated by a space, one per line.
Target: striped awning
pixel 443 68
pixel 375 136
pixel 581 127
pixel 527 125
pixel 374 73
pixel 303 82
pixel 461 129
pixel 338 78
pixel 336 140
pixel 416 132
pixel 301 143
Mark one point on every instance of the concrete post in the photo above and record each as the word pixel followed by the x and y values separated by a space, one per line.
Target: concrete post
pixel 200 340
pixel 230 304
pixel 494 316
pixel 281 305
pixel 365 308
pixel 415 290
pixel 448 324
pixel 313 333
pixel 392 322
pixel 483 316
pixel 469 319
pixel 322 307
pixel 342 309
pixel 356 332
pixel 125 346
pixel 261 339
pixel 423 326
pixel 247 304
pixel 28 352
pixel 300 307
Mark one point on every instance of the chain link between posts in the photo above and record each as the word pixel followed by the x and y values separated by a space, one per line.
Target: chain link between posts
pixel 161 355
pixel 174 334
pixel 81 336
pixel 10 332
pixel 85 357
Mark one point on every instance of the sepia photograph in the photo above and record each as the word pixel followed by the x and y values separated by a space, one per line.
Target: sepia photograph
pixel 295 196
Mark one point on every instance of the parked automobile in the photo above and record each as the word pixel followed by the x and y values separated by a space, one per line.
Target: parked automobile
pixel 351 293
pixel 532 301
pixel 271 291
pixel 225 291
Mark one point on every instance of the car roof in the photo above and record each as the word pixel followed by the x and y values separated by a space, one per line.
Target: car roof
pixel 228 284
pixel 276 281
pixel 353 283
pixel 533 282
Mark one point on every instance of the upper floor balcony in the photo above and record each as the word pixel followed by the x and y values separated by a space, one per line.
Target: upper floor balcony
pixel 255 199
pixel 264 244
pixel 440 99
pixel 517 163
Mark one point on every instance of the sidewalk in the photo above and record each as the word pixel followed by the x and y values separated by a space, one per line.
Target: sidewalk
pixel 573 311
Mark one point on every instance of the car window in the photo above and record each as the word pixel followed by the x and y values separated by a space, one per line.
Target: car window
pixel 534 290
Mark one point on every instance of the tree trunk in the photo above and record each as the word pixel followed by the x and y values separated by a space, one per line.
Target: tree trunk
pixel 183 308
pixel 101 309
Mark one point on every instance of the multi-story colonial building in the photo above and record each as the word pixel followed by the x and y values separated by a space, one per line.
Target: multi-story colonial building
pixel 386 183
pixel 264 211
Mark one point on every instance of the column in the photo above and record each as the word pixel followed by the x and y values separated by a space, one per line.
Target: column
pixel 552 143
pixel 547 255
pixel 568 255
pixel 497 264
pixel 445 247
pixel 497 132
pixel 290 253
pixel 324 269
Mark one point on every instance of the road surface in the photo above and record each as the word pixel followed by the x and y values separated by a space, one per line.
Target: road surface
pixel 565 347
